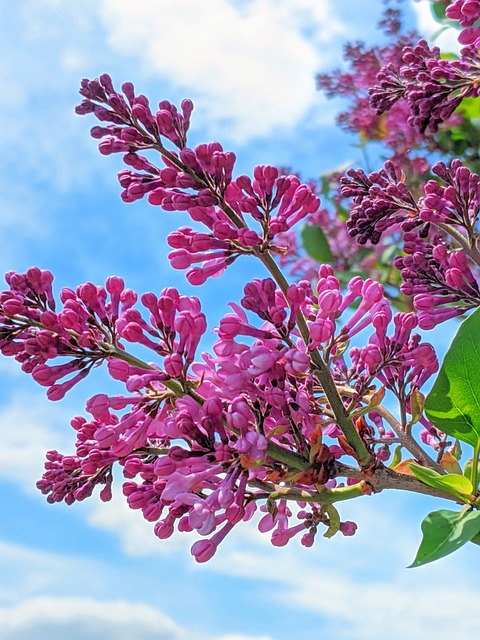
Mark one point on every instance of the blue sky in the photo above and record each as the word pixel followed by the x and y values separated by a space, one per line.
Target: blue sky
pixel 94 570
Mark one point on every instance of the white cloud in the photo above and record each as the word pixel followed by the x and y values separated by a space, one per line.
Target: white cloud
pixel 359 586
pixel 78 618
pixel 27 572
pixel 251 64
pixel 42 49
pixel 47 618
pixel 42 598
pixel 30 427
pixel 135 533
pixel 242 637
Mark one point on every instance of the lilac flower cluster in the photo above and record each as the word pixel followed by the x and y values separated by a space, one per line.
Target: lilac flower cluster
pixel 198 181
pixel 441 277
pixel 392 127
pixel 381 200
pixel 432 87
pixel 457 203
pixel 200 443
pixel 90 327
pixel 33 333
pixel 287 407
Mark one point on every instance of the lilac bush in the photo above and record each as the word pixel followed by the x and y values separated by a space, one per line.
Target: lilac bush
pixel 291 412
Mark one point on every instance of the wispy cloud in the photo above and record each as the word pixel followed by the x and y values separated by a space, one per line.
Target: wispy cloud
pixel 359 587
pixel 45 599
pixel 251 64
pixel 134 532
pixel 29 427
pixel 79 618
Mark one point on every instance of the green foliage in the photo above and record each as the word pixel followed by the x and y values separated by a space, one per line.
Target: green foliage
pixel 453 404
pixel 468 469
pixel 316 244
pixel 453 483
pixel 476 539
pixel 438 10
pixel 470 109
pixel 333 519
pixel 444 532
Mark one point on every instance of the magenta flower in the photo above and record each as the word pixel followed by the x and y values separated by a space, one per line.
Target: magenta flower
pixel 432 87
pixel 199 181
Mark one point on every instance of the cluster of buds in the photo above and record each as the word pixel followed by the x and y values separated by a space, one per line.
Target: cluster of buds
pixel 199 181
pixel 391 127
pixel 91 327
pixel 83 331
pixel 381 200
pixel 440 264
pixel 431 86
pixel 201 442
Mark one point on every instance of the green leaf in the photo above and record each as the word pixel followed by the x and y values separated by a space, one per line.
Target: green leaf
pixel 316 244
pixel 417 404
pixel 476 539
pixel 453 404
pixel 444 532
pixel 397 456
pixel 453 483
pixel 438 10
pixel 470 107
pixel 467 469
pixel 447 56
pixel 457 450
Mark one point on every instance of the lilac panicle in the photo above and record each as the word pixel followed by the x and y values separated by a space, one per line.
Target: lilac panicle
pixel 456 203
pixel 199 181
pixel 203 439
pixel 194 439
pixel 380 201
pixel 431 86
pixel 364 65
pixel 441 279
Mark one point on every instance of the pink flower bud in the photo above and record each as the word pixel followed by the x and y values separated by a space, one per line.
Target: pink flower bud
pixel 203 550
pixel 164 529
pixel 348 528
pixel 296 362
pixel 118 369
pixel 173 365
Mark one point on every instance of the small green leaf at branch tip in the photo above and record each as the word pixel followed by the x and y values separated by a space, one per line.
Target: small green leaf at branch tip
pixel 452 483
pixel 453 404
pixel 457 450
pixel 438 10
pixel 316 244
pixel 373 402
pixel 334 521
pixel 444 532
pixel 397 456
pixel 417 405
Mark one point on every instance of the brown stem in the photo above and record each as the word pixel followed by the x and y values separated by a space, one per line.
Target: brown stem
pixel 408 442
pixel 385 478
